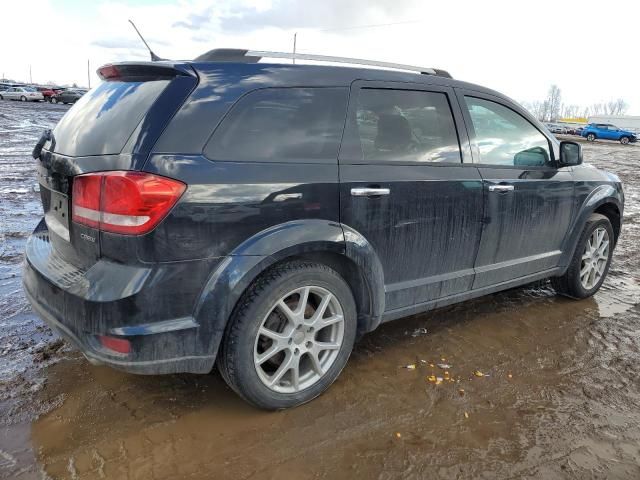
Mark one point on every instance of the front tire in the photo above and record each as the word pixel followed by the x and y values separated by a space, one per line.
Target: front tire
pixel 54 100
pixel 290 335
pixel 624 140
pixel 23 98
pixel 591 137
pixel 591 260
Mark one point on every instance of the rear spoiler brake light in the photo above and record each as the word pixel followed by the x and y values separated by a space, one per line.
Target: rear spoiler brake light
pixel 142 71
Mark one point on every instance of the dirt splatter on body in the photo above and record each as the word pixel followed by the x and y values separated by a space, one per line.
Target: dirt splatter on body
pixel 558 396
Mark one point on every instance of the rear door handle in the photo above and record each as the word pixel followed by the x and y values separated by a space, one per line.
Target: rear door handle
pixel 369 192
pixel 500 188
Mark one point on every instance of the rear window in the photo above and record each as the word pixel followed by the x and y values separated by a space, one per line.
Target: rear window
pixel 405 126
pixel 282 125
pixel 102 120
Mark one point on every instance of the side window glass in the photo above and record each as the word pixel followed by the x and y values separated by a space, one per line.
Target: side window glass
pixel 405 126
pixel 282 125
pixel 504 137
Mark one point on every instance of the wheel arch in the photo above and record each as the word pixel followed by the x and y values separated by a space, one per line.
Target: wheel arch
pixel 604 200
pixel 330 243
pixel 612 212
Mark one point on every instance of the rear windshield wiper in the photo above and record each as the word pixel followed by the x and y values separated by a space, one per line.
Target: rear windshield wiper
pixel 46 136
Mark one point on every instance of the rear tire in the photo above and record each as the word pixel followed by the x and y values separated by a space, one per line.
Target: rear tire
pixel 590 262
pixel 591 137
pixel 54 100
pixel 23 98
pixel 624 140
pixel 282 348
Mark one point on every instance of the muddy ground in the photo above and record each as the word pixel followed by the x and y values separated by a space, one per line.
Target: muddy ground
pixel 560 397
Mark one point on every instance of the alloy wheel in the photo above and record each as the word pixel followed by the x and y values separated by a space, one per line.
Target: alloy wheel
pixel 594 258
pixel 299 339
pixel 624 140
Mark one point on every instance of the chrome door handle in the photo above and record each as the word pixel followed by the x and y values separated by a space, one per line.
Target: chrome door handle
pixel 500 188
pixel 369 192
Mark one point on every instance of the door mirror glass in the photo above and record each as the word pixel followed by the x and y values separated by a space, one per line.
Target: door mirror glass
pixel 570 153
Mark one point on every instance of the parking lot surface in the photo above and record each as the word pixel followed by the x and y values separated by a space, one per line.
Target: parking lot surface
pixel 538 386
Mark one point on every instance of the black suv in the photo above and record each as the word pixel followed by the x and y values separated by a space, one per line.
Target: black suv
pixel 263 216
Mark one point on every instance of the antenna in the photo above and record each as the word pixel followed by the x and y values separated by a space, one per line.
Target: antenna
pixel 154 57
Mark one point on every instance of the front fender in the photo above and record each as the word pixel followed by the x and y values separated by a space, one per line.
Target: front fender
pixel 599 196
pixel 237 271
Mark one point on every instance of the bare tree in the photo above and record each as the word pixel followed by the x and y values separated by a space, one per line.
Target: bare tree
pixel 570 111
pixel 616 107
pixel 552 108
pixel 535 108
pixel 598 109
pixel 553 103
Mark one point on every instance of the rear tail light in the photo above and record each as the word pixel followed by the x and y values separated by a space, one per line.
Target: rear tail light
pixel 118 345
pixel 130 203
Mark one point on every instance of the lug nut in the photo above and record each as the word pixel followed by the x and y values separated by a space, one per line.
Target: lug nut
pixel 296 351
pixel 290 341
pixel 308 344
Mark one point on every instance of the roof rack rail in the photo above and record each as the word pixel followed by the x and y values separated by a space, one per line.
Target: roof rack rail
pixel 253 56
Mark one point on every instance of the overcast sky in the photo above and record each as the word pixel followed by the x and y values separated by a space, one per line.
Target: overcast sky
pixel 589 49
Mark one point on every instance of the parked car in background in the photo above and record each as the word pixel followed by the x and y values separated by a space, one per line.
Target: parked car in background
pixel 71 95
pixel 253 228
pixel 48 92
pixel 606 131
pixel 555 128
pixel 25 94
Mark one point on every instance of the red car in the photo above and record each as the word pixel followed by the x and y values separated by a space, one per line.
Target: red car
pixel 48 92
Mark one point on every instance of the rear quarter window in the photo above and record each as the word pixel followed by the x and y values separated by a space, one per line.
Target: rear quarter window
pixel 102 120
pixel 297 125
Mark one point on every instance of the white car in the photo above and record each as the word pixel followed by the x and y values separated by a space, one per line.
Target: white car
pixel 25 94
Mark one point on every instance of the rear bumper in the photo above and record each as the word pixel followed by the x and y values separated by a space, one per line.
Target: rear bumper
pixel 150 306
pixel 92 352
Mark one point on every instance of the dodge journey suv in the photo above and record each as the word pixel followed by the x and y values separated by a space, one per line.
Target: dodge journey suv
pixel 263 216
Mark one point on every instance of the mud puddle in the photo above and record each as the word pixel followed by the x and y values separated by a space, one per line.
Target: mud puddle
pixel 537 386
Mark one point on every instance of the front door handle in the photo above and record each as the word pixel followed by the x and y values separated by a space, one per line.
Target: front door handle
pixel 369 192
pixel 500 188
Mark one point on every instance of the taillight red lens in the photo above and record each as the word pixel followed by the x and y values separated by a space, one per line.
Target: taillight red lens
pixel 119 345
pixel 123 202
pixel 86 200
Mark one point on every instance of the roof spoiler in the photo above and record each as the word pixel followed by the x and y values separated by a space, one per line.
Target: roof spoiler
pixel 142 71
pixel 254 56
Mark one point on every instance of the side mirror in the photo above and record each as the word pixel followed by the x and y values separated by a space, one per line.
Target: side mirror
pixel 570 153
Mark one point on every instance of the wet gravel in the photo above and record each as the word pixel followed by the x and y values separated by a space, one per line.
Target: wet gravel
pixel 538 386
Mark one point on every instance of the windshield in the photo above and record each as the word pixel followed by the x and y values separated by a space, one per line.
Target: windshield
pixel 102 120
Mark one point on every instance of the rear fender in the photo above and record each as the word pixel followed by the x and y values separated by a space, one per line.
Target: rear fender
pixel 236 272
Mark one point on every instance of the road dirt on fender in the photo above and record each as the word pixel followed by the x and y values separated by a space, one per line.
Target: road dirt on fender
pixel 519 384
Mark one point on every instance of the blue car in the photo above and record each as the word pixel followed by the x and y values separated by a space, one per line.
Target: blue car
pixel 606 131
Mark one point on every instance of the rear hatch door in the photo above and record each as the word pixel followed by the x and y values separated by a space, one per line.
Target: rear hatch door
pixel 112 127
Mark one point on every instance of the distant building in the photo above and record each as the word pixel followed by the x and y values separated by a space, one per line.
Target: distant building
pixel 626 122
pixel 574 120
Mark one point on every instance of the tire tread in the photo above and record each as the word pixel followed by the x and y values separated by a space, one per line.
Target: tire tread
pixel 567 284
pixel 236 325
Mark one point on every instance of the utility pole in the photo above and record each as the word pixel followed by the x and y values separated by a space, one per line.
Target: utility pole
pixel 295 37
pixel 88 74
